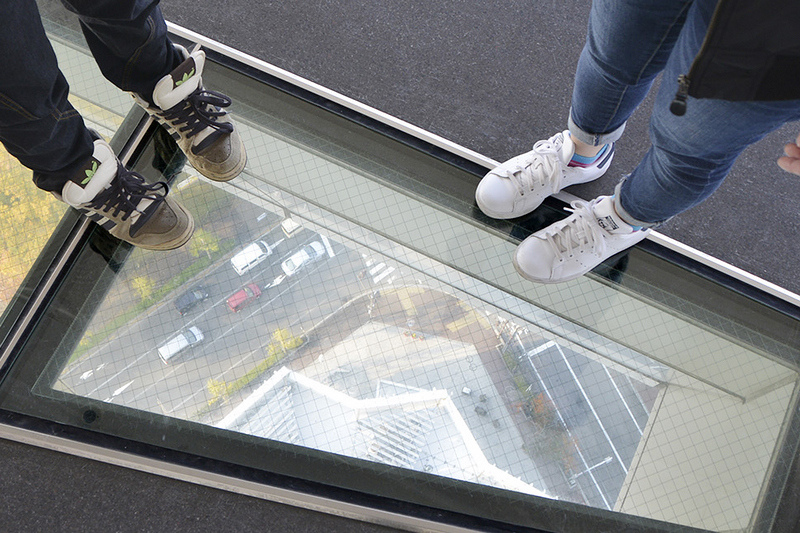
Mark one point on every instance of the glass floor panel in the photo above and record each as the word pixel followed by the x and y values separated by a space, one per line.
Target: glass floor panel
pixel 344 316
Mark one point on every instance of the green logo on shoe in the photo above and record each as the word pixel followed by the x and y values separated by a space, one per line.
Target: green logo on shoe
pixel 186 76
pixel 90 173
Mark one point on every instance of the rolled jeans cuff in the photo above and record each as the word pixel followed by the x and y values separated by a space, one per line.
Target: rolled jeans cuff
pixel 593 139
pixel 625 215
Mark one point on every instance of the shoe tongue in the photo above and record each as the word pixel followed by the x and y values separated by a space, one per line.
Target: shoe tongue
pixel 181 82
pixel 94 177
pixel 607 217
pixel 567 149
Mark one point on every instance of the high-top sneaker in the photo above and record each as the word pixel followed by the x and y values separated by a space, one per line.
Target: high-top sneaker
pixel 521 184
pixel 573 246
pixel 125 205
pixel 197 120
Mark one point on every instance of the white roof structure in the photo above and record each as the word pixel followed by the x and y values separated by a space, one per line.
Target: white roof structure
pixel 409 428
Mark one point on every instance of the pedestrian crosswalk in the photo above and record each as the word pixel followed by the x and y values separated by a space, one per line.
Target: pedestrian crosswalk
pixel 379 271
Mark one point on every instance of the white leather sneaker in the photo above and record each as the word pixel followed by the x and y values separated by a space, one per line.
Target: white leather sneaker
pixel 573 246
pixel 521 184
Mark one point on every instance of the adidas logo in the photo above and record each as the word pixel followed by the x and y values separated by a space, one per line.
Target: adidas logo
pixel 90 172
pixel 185 78
pixel 183 72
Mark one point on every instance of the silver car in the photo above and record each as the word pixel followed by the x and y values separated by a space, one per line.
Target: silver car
pixel 180 342
pixel 304 256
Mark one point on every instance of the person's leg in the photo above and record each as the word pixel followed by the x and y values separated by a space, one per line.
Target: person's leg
pixel 38 125
pixel 627 45
pixel 692 154
pixel 690 157
pixel 128 39
pixel 47 135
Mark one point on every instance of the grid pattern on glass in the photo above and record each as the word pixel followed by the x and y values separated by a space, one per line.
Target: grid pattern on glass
pixel 318 307
pixel 22 204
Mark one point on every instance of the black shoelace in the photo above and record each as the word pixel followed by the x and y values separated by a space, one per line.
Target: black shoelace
pixel 125 193
pixel 199 111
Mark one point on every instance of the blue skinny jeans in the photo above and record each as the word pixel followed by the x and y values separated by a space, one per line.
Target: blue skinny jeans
pixel 38 125
pixel 629 43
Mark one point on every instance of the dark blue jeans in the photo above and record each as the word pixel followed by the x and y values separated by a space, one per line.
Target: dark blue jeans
pixel 628 45
pixel 38 126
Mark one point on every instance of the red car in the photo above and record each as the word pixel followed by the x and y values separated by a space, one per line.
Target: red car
pixel 241 298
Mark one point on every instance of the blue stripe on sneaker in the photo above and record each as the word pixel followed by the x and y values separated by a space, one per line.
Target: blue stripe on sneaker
pixel 584 161
pixel 607 158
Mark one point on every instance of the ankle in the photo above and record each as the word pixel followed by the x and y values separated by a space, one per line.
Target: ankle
pixel 616 210
pixel 587 150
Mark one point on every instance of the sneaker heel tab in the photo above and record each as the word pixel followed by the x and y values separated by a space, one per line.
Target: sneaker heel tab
pixel 103 151
pixel 181 82
pixel 567 147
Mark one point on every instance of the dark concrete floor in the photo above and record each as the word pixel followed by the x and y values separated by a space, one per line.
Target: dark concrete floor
pixel 43 490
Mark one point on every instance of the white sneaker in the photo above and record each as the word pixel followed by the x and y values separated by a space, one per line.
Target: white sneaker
pixel 521 184
pixel 572 247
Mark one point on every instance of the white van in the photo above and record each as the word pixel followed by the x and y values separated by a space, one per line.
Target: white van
pixel 180 342
pixel 251 256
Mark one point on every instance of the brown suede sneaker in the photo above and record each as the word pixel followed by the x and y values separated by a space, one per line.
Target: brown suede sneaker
pixel 125 205
pixel 196 119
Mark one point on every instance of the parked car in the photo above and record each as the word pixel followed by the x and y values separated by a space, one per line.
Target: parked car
pixel 186 301
pixel 251 256
pixel 304 256
pixel 179 343
pixel 241 298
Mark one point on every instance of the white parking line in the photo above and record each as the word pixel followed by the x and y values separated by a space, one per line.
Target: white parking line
pixel 377 279
pixel 624 402
pixel 530 355
pixel 328 246
pixel 374 270
pixel 589 402
pixel 106 382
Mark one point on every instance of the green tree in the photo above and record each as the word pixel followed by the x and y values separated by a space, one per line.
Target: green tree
pixel 283 341
pixel 144 286
pixel 29 217
pixel 217 390
pixel 204 242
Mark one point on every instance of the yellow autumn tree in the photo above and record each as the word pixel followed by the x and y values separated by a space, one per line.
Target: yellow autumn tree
pixel 29 217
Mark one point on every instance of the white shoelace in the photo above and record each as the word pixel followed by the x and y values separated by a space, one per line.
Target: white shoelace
pixel 545 156
pixel 580 231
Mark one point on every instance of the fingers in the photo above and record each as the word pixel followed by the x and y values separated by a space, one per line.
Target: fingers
pixel 790 164
pixel 791 161
pixel 792 150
